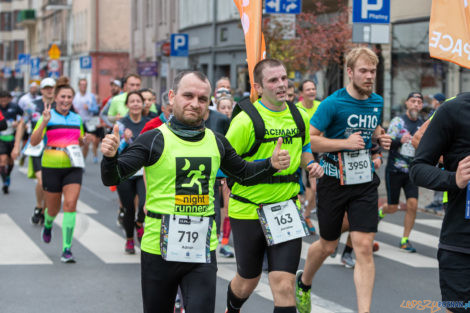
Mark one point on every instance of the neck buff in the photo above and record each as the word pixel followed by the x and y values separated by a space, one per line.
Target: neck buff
pixel 185 131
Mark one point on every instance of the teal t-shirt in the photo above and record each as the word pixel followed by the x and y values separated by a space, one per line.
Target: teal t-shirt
pixel 341 115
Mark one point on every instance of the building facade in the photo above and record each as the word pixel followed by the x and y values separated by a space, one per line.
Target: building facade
pixel 84 31
pixel 12 43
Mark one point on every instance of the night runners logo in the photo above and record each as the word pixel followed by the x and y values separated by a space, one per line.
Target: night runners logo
pixel 192 184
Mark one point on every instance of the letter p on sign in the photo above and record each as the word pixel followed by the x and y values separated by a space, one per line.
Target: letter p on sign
pixel 179 45
pixel 366 7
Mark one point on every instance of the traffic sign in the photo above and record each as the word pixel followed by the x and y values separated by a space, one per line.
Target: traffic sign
pixel 166 49
pixel 85 63
pixel 23 59
pixel 371 11
pixel 7 72
pixel 18 72
pixel 35 68
pixel 53 65
pixel 54 52
pixel 149 68
pixel 284 6
pixel 179 45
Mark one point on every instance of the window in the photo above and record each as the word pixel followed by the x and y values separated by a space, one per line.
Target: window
pixel 18 47
pixel 148 13
pixel 16 20
pixel 5 21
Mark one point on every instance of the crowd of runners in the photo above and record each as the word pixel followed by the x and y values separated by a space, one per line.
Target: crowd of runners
pixel 198 171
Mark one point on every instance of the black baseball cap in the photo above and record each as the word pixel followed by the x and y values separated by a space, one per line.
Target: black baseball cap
pixel 415 94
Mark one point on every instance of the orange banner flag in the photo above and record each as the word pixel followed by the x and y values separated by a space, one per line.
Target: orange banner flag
pixel 251 17
pixel 449 31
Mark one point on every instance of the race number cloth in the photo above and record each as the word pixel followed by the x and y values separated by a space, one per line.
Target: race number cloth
pixel 186 238
pixel 407 150
pixel 34 151
pixel 355 167
pixel 281 222
pixel 75 154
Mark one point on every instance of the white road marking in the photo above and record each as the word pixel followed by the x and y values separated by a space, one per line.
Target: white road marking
pixel 100 240
pixel 17 248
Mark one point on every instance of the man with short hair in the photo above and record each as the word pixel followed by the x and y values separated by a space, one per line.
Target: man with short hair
pixel 344 128
pixel 266 216
pixel 222 86
pixel 118 108
pixel 401 129
pixel 290 91
pixel 29 97
pixel 181 159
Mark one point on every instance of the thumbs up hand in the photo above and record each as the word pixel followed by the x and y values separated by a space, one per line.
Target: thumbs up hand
pixel 281 158
pixel 110 143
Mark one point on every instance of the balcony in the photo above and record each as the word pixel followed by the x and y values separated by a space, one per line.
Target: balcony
pixel 27 18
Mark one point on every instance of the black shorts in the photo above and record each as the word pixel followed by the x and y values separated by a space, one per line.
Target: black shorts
pixel 454 278
pixel 394 181
pixel 6 147
pixel 360 201
pixel 99 132
pixel 160 281
pixel 36 163
pixel 250 244
pixel 54 179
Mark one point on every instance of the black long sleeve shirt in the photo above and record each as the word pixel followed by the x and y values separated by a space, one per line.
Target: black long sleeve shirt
pixel 148 147
pixel 448 134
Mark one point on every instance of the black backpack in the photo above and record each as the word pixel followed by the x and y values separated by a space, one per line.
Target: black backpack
pixel 245 105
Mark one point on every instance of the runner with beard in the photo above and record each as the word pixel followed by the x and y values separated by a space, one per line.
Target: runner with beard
pixel 344 128
pixel 401 129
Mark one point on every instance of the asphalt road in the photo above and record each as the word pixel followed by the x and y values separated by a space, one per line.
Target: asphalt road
pixel 104 279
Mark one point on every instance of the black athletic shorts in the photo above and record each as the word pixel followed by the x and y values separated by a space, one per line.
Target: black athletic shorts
pixel 99 132
pixel 394 181
pixel 6 147
pixel 360 201
pixel 454 278
pixel 36 163
pixel 160 281
pixel 250 244
pixel 54 179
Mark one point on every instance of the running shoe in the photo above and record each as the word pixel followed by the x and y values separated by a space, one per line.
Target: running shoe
pixel 5 189
pixel 333 255
pixel 46 234
pixel 67 256
pixel 311 228
pixel 95 160
pixel 380 216
pixel 129 248
pixel 140 232
pixel 348 260
pixel 407 247
pixel 375 246
pixel 225 251
pixel 302 298
pixel 38 217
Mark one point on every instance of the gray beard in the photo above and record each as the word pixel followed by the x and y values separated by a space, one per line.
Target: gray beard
pixel 362 91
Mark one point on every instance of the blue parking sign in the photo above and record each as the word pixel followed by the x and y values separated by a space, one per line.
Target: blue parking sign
pixel 85 63
pixel 23 58
pixel 35 69
pixel 371 11
pixel 179 45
